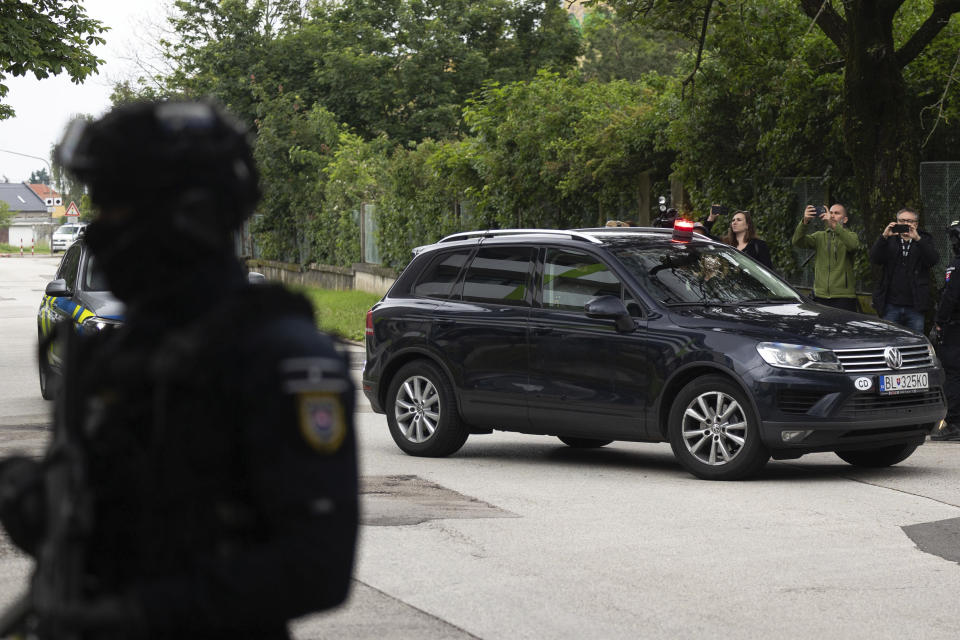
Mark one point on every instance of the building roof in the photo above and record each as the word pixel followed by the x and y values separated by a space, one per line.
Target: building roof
pixel 43 190
pixel 20 198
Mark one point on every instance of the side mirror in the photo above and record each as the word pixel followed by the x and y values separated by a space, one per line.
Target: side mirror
pixel 610 308
pixel 58 289
pixel 255 277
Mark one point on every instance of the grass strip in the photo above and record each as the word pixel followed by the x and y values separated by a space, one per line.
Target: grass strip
pixel 342 313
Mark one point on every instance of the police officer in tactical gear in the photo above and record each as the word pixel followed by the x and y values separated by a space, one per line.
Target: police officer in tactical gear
pixel 202 478
pixel 947 329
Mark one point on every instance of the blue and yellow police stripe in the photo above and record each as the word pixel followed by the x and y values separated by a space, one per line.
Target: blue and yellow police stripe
pixel 77 312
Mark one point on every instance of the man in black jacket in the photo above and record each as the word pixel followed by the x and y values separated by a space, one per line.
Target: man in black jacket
pixel 212 433
pixel 903 293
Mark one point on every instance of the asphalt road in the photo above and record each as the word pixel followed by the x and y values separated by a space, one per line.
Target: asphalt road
pixel 522 537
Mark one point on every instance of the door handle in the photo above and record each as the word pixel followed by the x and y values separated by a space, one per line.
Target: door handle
pixel 543 331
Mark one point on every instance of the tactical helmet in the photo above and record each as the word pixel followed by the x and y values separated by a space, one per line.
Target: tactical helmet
pixel 953 233
pixel 154 155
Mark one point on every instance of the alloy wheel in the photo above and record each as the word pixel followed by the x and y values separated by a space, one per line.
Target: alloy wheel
pixel 714 428
pixel 417 409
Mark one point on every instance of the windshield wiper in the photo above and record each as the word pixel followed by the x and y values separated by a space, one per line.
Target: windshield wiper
pixel 769 300
pixel 703 303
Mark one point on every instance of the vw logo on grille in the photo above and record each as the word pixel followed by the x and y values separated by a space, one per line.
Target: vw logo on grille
pixel 893 357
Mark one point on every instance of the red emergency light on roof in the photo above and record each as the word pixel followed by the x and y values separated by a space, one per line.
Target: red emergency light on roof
pixel 682 230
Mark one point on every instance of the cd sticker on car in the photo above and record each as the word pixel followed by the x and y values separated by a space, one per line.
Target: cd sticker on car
pixel 863 383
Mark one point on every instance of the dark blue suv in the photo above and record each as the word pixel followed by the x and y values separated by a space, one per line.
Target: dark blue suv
pixel 597 335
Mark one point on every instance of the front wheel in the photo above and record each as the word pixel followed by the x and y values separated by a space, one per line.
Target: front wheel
pixel 422 411
pixel 877 458
pixel 714 432
pixel 48 379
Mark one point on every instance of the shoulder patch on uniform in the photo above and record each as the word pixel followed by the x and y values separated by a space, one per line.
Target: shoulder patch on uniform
pixel 322 421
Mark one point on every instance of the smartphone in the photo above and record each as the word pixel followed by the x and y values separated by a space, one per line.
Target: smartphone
pixel 717 210
pixel 900 228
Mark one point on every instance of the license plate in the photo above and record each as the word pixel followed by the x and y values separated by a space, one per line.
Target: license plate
pixel 904 383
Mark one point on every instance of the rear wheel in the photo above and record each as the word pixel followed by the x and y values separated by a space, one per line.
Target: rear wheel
pixel 583 443
pixel 714 432
pixel 875 458
pixel 422 411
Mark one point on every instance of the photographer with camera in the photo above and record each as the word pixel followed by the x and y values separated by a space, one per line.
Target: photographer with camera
pixel 906 254
pixel 834 250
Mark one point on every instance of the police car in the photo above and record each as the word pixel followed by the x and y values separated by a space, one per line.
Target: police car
pixel 78 293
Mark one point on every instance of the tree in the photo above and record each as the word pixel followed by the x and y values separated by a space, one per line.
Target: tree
pixel 873 48
pixel 46 37
pixel 619 49
pixel 5 215
pixel 71 189
pixel 578 162
pixel 402 68
pixel 881 132
pixel 294 145
pixel 40 176
pixel 220 48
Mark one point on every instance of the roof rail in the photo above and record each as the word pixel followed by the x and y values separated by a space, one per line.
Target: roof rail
pixel 493 233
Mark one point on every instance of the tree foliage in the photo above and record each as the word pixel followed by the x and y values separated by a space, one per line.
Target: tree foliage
pixel 40 176
pixel 403 68
pixel 46 37
pixel 874 69
pixel 6 216
pixel 620 49
pixel 448 114
pixel 295 143
pixel 220 46
pixel 576 163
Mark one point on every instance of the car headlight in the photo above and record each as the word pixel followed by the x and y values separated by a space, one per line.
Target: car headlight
pixel 796 356
pixel 96 324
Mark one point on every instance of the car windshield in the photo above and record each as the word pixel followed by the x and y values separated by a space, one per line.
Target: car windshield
pixel 67 229
pixel 682 273
pixel 95 280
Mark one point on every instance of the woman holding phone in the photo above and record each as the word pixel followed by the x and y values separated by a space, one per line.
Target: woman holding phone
pixel 743 235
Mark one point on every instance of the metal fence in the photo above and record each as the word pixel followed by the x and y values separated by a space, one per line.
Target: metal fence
pixel 805 190
pixel 940 193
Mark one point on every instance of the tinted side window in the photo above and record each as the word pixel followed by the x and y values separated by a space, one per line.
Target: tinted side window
pixel 500 275
pixel 70 266
pixel 570 278
pixel 438 278
pixel 94 280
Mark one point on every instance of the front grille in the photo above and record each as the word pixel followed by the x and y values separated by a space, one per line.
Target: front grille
pixel 797 402
pixel 871 406
pixel 871 359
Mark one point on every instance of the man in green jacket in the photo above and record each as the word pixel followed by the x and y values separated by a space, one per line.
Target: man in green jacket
pixel 835 248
